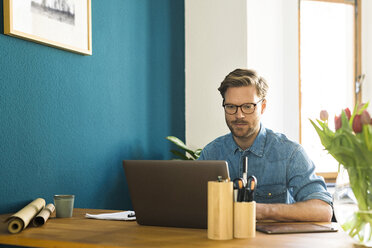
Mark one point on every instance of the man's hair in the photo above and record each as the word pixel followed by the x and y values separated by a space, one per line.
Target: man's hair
pixel 244 77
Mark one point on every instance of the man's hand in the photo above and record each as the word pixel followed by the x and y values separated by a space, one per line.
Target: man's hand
pixel 311 210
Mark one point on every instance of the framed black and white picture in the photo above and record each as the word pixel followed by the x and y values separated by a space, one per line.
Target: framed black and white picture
pixel 65 24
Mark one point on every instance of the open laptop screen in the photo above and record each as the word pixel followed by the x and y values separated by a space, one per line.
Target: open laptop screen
pixel 172 192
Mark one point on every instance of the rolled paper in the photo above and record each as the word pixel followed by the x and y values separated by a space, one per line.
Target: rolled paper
pixel 43 216
pixel 20 220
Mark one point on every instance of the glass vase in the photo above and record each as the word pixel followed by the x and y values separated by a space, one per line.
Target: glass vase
pixel 353 203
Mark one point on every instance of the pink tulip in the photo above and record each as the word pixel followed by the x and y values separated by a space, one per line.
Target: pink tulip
pixel 348 113
pixel 338 122
pixel 324 115
pixel 357 124
pixel 366 118
pixel 361 105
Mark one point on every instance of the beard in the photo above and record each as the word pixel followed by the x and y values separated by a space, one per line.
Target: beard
pixel 245 131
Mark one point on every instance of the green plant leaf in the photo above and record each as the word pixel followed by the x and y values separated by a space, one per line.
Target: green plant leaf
pixel 345 122
pixel 322 135
pixel 365 106
pixel 179 143
pixel 179 154
pixel 198 152
pixel 367 130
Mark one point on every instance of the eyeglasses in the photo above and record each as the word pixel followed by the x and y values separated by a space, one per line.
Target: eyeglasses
pixel 246 108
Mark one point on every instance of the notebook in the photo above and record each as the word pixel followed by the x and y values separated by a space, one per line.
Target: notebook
pixel 281 228
pixel 172 193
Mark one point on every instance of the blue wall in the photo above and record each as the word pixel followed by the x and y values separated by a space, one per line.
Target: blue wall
pixel 68 121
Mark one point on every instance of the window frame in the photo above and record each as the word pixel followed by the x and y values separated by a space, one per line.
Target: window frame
pixel 357 96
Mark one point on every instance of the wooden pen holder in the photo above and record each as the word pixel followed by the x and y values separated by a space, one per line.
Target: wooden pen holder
pixel 245 219
pixel 220 210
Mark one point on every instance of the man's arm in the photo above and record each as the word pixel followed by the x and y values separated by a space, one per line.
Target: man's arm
pixel 310 210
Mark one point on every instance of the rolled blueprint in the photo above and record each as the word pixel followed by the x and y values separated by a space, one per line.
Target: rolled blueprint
pixel 43 216
pixel 19 221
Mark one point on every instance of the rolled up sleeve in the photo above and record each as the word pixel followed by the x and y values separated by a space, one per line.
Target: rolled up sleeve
pixel 303 182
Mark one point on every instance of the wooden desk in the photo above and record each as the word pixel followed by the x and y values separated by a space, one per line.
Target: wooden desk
pixel 81 232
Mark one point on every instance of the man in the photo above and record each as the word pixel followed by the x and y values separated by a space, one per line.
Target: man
pixel 287 189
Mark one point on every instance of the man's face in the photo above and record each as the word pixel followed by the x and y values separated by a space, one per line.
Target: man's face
pixel 244 126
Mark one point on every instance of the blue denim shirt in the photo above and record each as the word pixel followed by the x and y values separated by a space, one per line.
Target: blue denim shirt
pixel 285 174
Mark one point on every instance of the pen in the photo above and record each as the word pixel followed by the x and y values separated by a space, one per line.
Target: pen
pixel 245 168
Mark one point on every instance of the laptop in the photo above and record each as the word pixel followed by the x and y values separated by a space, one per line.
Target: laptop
pixel 172 193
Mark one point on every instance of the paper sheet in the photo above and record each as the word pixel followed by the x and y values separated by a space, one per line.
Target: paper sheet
pixel 126 215
pixel 19 221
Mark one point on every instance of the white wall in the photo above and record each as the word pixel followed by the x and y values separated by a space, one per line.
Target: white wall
pixel 216 38
pixel 273 52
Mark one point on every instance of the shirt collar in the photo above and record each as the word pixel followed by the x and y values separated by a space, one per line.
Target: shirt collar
pixel 258 145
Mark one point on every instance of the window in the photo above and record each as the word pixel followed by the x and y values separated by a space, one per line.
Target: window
pixel 329 61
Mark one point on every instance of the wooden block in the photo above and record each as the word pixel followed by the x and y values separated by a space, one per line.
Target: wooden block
pixel 220 210
pixel 244 219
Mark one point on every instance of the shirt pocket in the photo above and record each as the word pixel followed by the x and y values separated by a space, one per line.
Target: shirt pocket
pixel 274 193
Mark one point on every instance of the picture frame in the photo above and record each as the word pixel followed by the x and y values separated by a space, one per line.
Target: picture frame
pixel 63 24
